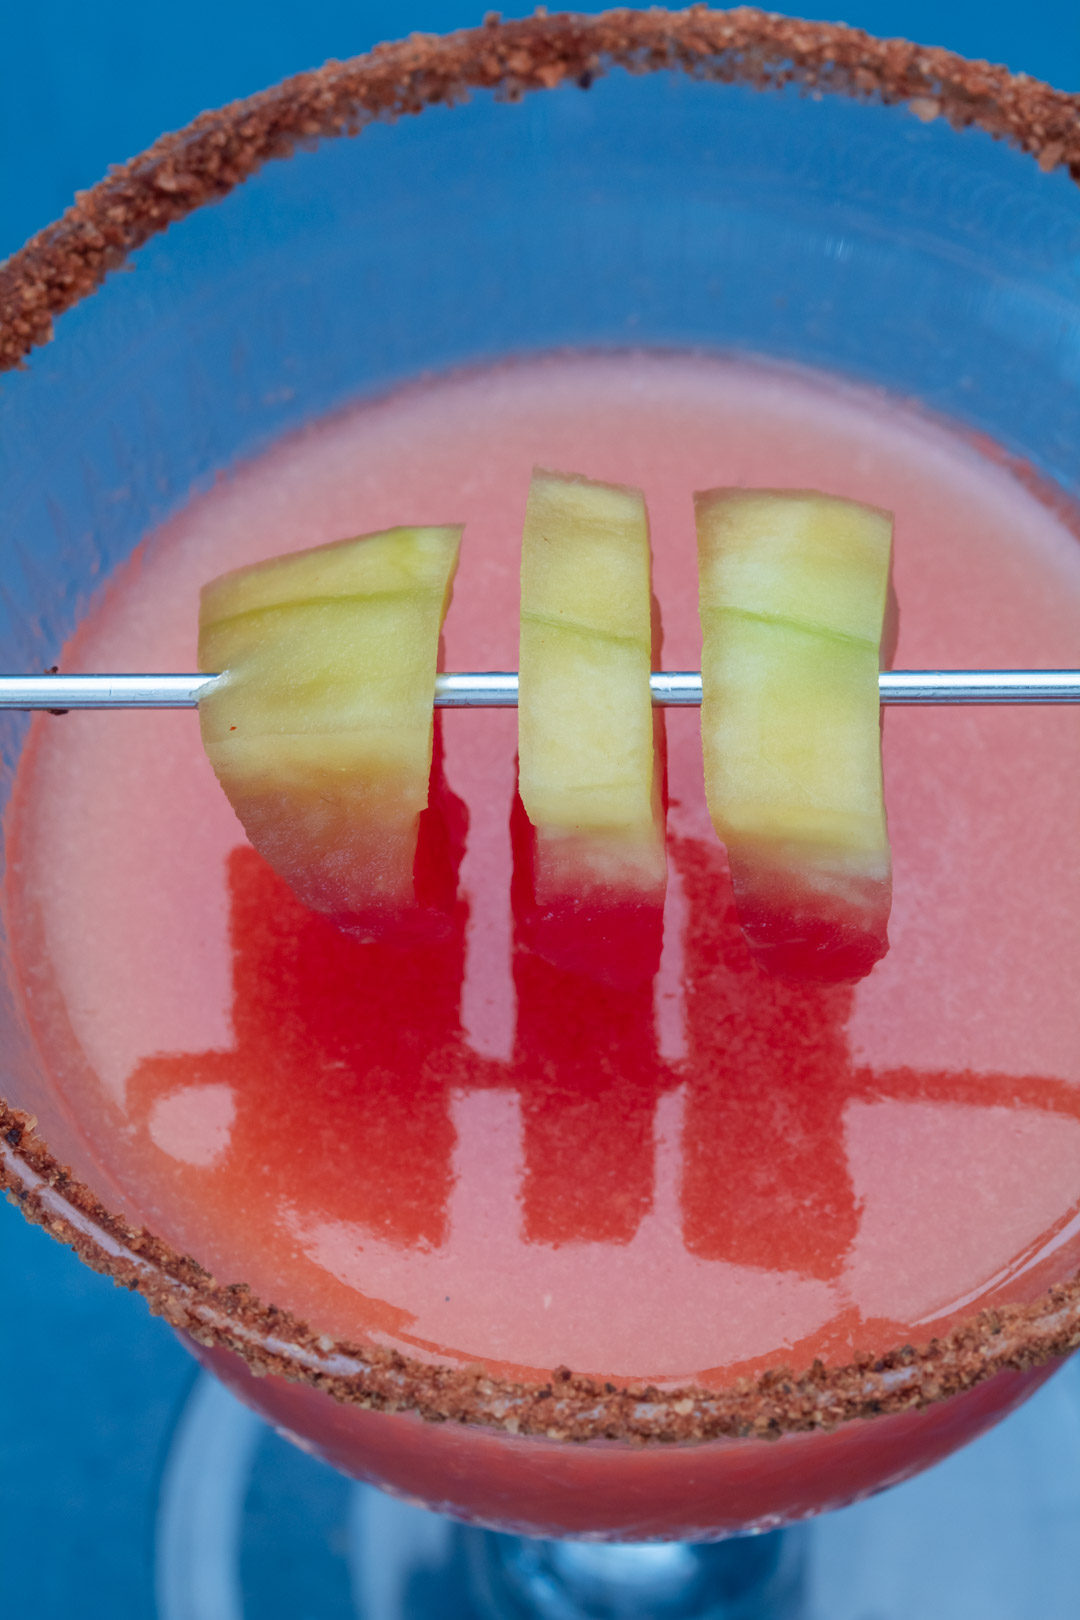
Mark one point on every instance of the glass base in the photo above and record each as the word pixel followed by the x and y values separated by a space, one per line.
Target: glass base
pixel 250 1528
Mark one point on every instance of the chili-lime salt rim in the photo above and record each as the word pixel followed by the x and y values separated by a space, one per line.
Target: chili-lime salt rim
pixel 220 149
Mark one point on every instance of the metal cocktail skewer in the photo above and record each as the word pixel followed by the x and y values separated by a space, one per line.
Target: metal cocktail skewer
pixel 497 689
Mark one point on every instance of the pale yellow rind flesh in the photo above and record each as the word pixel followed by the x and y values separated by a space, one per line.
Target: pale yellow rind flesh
pixel 589 772
pixel 813 559
pixel 794 587
pixel 321 729
pixel 790 735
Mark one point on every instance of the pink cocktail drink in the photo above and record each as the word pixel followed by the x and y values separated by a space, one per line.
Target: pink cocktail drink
pixel 556 1211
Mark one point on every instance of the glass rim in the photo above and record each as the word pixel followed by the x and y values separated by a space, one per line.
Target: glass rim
pixel 221 148
pixel 202 163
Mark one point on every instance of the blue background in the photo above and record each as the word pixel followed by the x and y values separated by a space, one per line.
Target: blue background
pixel 91 1385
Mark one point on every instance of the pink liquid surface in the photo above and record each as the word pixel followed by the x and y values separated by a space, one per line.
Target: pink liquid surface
pixel 475 1159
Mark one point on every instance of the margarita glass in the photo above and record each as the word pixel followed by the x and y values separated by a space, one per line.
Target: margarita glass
pixel 853 230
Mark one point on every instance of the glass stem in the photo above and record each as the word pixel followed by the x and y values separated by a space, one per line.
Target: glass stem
pixel 747 1578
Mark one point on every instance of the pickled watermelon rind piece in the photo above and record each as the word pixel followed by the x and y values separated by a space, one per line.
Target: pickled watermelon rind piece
pixel 321 728
pixel 591 858
pixel 794 587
